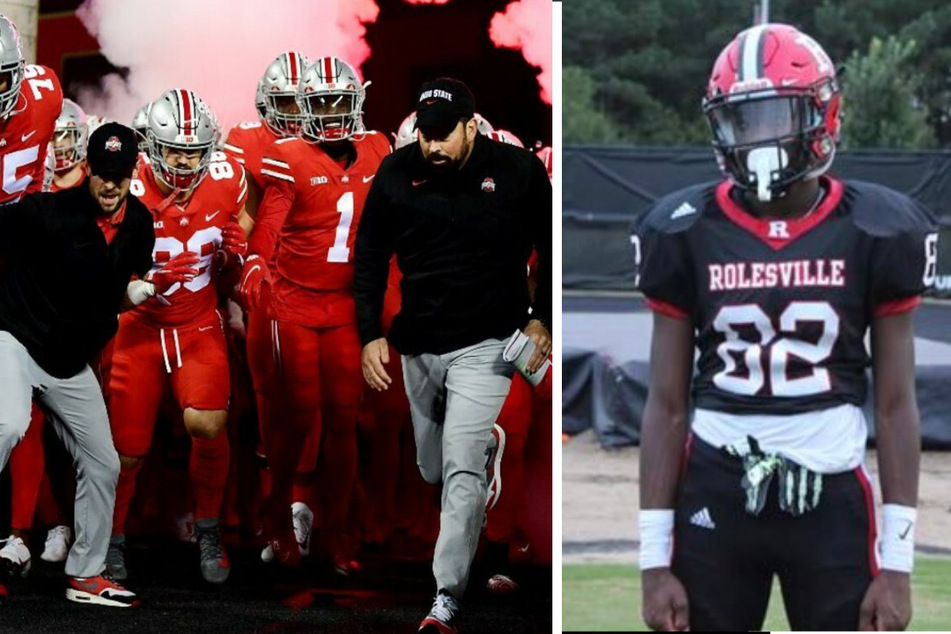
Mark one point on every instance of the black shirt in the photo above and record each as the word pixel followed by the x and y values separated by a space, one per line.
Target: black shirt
pixel 61 285
pixel 781 308
pixel 462 242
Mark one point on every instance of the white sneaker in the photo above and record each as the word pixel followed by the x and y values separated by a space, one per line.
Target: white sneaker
pixel 15 557
pixel 57 544
pixel 303 524
pixel 493 467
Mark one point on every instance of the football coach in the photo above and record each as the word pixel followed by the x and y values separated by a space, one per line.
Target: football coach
pixel 68 259
pixel 462 213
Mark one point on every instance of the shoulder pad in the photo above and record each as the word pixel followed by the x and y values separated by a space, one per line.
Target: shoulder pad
pixel 678 211
pixel 883 212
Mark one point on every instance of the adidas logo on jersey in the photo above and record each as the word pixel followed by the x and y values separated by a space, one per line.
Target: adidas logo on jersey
pixel 685 209
pixel 703 519
pixel 318 180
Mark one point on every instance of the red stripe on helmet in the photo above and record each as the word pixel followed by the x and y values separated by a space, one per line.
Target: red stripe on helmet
pixel 187 109
pixel 294 66
pixel 328 69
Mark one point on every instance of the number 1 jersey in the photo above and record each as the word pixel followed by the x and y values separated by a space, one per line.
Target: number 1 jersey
pixel 314 203
pixel 780 308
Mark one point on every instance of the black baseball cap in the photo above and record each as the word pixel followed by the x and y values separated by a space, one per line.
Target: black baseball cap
pixel 112 151
pixel 442 103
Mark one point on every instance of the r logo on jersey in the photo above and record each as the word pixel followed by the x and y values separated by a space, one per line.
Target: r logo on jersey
pixel 778 229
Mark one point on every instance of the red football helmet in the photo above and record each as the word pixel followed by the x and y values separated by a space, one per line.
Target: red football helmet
pixel 773 105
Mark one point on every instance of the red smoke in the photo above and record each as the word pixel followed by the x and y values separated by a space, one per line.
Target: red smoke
pixel 218 48
pixel 527 25
pixel 426 1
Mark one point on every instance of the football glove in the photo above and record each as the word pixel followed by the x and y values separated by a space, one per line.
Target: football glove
pixel 234 245
pixel 255 282
pixel 178 270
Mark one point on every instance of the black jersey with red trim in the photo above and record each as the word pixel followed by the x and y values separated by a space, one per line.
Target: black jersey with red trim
pixel 780 308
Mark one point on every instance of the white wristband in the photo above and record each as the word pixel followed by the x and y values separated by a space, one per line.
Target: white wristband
pixel 139 291
pixel 898 537
pixel 657 538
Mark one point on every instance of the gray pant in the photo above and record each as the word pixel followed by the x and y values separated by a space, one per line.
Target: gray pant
pixel 455 399
pixel 76 409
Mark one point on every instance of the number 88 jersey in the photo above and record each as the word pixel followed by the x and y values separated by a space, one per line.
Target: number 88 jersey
pixel 781 307
pixel 191 226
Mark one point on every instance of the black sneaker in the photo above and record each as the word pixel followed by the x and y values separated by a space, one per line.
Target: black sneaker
pixel 115 560
pixel 215 566
pixel 443 618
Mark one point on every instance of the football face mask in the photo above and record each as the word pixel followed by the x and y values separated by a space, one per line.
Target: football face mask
pixel 772 103
pixel 767 141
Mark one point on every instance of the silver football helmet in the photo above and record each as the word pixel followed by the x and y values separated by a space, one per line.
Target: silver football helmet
pixel 260 103
pixel 281 81
pixel 11 66
pixel 69 136
pixel 504 136
pixel 407 132
pixel 180 121
pixel 331 99
pixel 140 123
pixel 483 124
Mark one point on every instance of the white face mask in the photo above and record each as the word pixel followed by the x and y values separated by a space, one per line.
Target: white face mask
pixel 765 164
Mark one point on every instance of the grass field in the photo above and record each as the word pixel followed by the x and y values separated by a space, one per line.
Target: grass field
pixel 607 598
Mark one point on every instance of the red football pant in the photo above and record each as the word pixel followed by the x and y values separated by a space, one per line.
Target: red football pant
pixel 27 463
pixel 192 361
pixel 320 386
pixel 382 416
pixel 264 347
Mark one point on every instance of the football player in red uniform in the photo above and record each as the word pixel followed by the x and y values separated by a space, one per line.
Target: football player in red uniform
pixel 30 101
pixel 176 340
pixel 247 143
pixel 752 453
pixel 319 184
pixel 69 147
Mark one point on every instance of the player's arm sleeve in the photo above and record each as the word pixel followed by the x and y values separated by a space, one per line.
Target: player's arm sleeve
pixel 662 264
pixel 233 146
pixel 277 203
pixel 540 198
pixel 903 267
pixel 373 249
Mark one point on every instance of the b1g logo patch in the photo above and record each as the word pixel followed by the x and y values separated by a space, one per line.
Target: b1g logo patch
pixel 488 185
pixel 114 144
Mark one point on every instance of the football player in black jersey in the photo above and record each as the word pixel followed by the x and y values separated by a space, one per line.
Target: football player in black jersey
pixel 774 276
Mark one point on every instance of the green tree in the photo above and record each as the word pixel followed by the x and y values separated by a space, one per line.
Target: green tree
pixel 879 106
pixel 582 121
pixel 649 60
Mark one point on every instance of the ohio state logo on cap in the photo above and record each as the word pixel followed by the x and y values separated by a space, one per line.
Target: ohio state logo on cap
pixel 488 185
pixel 113 144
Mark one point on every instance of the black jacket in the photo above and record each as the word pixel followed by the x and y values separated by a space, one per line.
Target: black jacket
pixel 462 242
pixel 61 285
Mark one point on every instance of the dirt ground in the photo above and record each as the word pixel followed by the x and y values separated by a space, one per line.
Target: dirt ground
pixel 600 498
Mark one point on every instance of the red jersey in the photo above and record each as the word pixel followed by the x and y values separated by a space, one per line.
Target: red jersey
pixel 25 136
pixel 194 225
pixel 247 143
pixel 314 205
